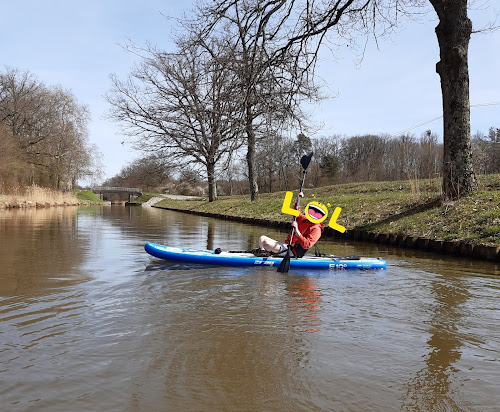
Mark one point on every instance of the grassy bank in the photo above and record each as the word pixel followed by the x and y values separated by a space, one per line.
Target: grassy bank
pixel 410 208
pixel 35 196
pixel 87 197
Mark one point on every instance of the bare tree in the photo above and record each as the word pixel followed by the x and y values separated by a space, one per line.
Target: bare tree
pixel 66 149
pixel 269 87
pixel 14 170
pixel 148 173
pixel 494 152
pixel 453 33
pixel 304 26
pixel 47 127
pixel 25 107
pixel 430 155
pixel 486 151
pixel 182 105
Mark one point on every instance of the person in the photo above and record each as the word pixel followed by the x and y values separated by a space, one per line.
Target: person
pixel 306 234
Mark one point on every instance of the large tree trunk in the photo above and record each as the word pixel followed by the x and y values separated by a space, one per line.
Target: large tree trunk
pixel 453 33
pixel 252 176
pixel 212 182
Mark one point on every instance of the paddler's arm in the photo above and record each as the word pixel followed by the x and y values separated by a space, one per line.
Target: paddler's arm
pixel 313 236
pixel 301 194
pixel 294 223
pixel 296 227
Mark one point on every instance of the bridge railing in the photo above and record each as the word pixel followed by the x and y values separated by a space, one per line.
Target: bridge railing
pixel 116 189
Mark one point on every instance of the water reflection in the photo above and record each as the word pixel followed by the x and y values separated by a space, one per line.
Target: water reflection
pixel 434 386
pixel 41 254
pixel 305 302
pixel 211 230
pixel 39 248
pixel 90 315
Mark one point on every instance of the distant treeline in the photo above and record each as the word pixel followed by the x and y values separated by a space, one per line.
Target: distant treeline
pixel 337 159
pixel 43 135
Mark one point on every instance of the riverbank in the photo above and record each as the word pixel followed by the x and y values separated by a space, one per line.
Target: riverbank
pixel 38 197
pixel 407 213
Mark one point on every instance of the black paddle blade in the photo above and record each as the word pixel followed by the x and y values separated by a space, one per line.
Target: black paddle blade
pixel 284 266
pixel 305 160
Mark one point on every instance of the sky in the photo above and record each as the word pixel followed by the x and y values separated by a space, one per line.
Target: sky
pixel 76 44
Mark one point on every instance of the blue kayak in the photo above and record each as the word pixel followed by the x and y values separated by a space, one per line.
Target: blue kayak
pixel 209 257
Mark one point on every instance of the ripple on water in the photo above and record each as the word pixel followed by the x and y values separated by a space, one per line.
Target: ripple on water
pixel 85 315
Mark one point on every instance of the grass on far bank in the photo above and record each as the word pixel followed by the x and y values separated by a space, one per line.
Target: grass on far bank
pixel 404 207
pixel 87 196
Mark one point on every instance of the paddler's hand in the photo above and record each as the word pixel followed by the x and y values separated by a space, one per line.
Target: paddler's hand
pixel 301 194
pixel 296 227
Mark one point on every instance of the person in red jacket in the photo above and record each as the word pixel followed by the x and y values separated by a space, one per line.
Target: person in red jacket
pixel 306 234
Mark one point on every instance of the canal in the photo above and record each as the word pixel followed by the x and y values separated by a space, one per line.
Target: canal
pixel 88 321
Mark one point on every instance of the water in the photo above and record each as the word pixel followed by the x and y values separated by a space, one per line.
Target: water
pixel 88 321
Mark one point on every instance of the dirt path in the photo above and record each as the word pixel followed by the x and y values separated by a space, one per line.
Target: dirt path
pixel 152 201
pixel 181 197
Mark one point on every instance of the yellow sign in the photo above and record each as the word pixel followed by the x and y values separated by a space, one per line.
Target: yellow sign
pixel 315 212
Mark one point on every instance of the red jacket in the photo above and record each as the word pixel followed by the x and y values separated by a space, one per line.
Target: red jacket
pixel 310 232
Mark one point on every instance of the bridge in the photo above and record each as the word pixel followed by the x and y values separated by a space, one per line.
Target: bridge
pixel 113 193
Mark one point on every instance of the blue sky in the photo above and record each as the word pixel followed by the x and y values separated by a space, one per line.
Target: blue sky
pixel 75 44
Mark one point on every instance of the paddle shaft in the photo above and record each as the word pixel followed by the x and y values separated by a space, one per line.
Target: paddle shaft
pixel 297 205
pixel 285 263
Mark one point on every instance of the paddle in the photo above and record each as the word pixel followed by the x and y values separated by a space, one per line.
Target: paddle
pixel 284 266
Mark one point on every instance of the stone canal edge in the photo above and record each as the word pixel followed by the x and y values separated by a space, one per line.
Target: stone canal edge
pixel 456 248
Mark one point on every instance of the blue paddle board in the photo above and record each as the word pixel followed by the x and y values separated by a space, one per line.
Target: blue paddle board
pixel 209 257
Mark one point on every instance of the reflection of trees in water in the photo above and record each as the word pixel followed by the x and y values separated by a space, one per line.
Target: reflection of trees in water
pixel 39 247
pixel 145 223
pixel 175 228
pixel 211 228
pixel 430 389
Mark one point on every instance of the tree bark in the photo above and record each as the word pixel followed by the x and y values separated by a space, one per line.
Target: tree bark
pixel 252 176
pixel 453 34
pixel 212 182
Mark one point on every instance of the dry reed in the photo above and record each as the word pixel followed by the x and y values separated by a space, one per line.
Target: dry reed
pixel 35 196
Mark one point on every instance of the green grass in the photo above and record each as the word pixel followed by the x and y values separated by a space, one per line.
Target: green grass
pixel 87 196
pixel 404 207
